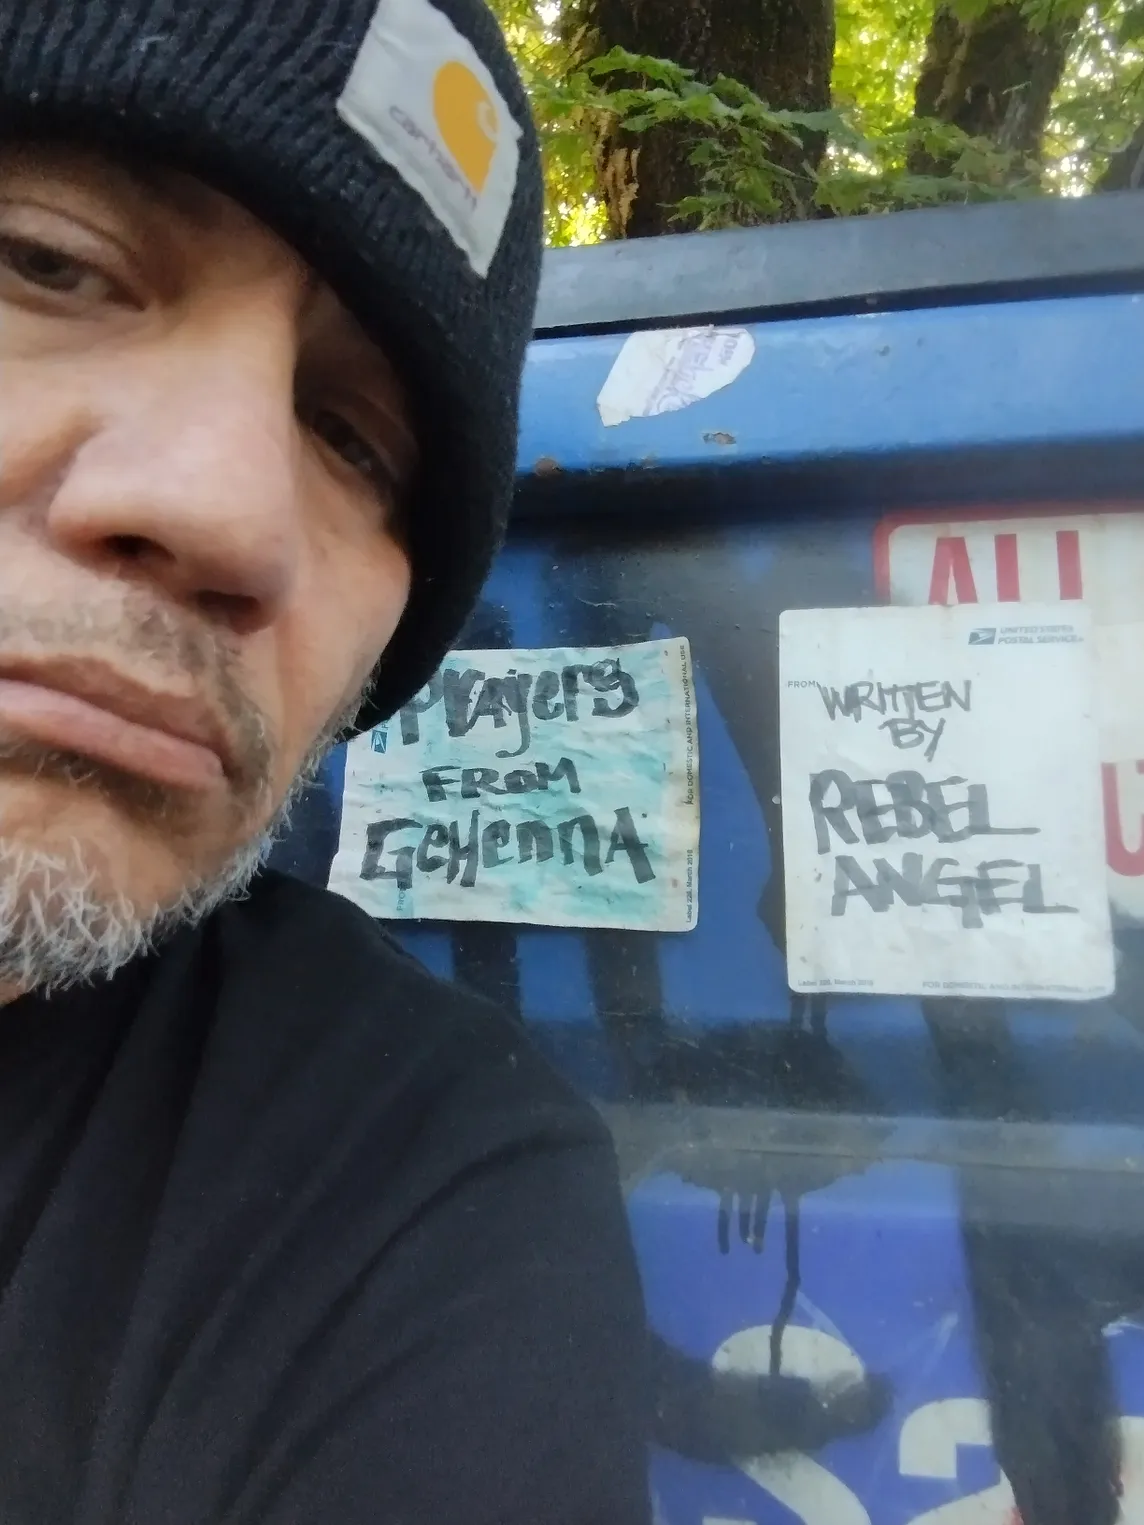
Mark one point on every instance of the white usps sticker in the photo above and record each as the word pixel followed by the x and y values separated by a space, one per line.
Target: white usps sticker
pixel 421 97
pixel 941 802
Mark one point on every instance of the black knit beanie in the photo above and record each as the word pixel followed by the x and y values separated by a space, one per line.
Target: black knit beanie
pixel 390 143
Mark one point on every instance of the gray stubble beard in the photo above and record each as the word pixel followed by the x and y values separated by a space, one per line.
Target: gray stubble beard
pixel 59 927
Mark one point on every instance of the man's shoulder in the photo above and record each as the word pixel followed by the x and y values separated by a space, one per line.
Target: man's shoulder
pixel 415 1229
pixel 308 977
pixel 315 934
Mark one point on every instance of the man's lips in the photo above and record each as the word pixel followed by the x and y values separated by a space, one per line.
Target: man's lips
pixel 93 712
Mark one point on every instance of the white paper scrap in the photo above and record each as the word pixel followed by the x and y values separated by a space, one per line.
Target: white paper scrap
pixel 665 369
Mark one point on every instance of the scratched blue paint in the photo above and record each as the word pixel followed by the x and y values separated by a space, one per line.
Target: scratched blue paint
pixel 710 987
pixel 555 985
pixel 866 385
pixel 428 943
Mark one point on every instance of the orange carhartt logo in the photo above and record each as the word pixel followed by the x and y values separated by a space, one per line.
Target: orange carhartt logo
pixel 467 121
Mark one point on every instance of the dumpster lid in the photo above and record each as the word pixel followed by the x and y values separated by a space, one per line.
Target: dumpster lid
pixel 945 255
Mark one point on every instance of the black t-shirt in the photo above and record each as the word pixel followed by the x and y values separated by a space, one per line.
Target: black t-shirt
pixel 291 1232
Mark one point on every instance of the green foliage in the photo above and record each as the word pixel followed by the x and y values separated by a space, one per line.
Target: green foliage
pixel 968 11
pixel 872 132
pixel 735 134
pixel 572 213
pixel 879 45
pixel 733 131
pixel 1100 100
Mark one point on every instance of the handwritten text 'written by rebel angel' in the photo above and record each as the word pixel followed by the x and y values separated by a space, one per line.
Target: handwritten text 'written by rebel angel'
pixel 975 874
pixel 555 786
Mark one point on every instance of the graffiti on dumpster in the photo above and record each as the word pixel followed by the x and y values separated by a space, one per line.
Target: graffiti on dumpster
pixel 970 863
pixel 560 785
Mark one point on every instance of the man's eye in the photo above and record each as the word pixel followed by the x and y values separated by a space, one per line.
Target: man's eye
pixel 342 437
pixel 51 270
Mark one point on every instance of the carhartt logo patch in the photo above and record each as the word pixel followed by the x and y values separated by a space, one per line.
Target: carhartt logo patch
pixel 421 97
pixel 467 121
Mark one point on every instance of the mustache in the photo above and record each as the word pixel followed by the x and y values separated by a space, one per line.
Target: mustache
pixel 162 650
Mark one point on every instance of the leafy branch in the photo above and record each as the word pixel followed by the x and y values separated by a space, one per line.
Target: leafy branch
pixel 731 136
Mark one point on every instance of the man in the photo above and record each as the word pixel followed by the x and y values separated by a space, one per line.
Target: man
pixel 289 1232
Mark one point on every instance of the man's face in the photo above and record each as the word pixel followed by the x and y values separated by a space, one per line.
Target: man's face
pixel 199 458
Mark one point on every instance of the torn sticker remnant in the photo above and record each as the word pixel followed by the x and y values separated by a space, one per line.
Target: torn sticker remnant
pixel 665 369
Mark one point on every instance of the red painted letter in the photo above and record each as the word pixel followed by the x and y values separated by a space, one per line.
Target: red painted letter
pixel 1121 859
pixel 951 562
pixel 1068 564
pixel 1008 577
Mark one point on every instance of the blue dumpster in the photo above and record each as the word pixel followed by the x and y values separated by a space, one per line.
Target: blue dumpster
pixel 946 1190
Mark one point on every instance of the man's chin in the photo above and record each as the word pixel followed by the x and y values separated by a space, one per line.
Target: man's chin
pixel 86 883
pixel 146 856
pixel 97 866
pixel 70 912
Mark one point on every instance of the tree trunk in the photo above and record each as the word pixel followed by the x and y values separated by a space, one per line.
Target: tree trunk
pixel 1125 171
pixel 782 49
pixel 993 77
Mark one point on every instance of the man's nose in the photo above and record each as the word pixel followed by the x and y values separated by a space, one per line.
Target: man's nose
pixel 190 473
